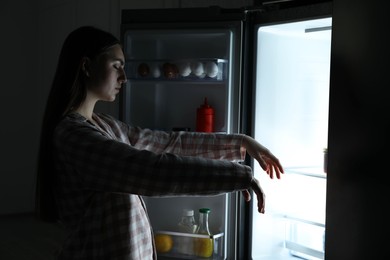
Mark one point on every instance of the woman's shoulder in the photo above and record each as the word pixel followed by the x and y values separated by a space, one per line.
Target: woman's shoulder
pixel 109 119
pixel 72 118
pixel 113 122
pixel 69 125
pixel 106 117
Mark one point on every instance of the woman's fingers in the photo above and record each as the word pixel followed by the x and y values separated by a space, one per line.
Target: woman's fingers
pixel 247 195
pixel 260 195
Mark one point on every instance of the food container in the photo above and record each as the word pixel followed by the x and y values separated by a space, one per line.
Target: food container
pixel 186 246
pixel 205 118
pixel 207 70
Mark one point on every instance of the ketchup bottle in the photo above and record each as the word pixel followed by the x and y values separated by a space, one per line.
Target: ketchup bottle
pixel 205 118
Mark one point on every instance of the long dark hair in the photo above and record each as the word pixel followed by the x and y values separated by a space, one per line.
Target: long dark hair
pixel 67 91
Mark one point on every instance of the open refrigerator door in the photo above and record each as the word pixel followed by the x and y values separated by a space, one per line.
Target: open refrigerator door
pixel 291 116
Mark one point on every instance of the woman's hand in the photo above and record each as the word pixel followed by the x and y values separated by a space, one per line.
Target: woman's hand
pixel 268 162
pixel 255 186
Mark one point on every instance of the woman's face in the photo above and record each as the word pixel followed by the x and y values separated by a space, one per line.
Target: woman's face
pixel 106 74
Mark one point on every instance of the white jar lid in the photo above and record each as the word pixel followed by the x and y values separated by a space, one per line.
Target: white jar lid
pixel 188 212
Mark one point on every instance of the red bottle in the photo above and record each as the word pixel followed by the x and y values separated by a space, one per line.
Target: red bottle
pixel 205 118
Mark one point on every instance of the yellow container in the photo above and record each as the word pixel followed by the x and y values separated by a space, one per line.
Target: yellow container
pixel 193 246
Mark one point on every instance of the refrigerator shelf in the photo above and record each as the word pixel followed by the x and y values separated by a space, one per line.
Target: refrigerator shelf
pixel 217 60
pixel 304 252
pixel 185 245
pixel 316 172
pixel 305 239
pixel 196 70
pixel 189 79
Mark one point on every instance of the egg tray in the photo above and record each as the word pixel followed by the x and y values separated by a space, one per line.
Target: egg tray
pixel 180 70
pixel 183 246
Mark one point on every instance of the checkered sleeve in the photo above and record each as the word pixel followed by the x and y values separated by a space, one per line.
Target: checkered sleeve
pixel 154 163
pixel 207 145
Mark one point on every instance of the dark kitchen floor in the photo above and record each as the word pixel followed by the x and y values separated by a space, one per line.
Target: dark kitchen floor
pixel 22 237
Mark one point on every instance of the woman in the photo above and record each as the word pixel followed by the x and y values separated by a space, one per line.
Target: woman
pixel 93 169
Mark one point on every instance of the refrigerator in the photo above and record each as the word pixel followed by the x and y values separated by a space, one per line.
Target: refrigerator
pixel 264 70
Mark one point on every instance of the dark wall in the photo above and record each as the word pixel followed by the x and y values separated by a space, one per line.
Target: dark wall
pixel 357 197
pixel 19 104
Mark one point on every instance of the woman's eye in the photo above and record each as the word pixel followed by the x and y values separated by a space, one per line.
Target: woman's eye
pixel 118 66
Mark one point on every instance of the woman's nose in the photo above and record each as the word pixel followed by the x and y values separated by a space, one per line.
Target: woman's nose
pixel 123 76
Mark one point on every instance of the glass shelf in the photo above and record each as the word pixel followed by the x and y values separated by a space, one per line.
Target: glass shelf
pixel 316 172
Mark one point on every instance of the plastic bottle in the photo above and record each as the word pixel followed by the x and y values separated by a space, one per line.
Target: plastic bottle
pixel 204 247
pixel 186 225
pixel 205 118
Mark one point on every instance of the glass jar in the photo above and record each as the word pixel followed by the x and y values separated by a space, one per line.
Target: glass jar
pixel 187 223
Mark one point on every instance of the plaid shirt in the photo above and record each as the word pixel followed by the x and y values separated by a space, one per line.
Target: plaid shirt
pixel 102 172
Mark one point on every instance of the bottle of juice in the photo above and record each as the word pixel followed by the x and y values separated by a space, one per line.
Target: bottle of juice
pixel 203 247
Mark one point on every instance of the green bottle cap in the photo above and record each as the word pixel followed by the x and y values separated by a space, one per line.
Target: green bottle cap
pixel 204 210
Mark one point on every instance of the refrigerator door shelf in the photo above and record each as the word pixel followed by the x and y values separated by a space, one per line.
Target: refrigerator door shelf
pixel 186 245
pixel 197 70
pixel 316 172
pixel 305 239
